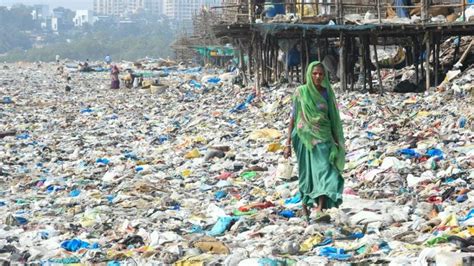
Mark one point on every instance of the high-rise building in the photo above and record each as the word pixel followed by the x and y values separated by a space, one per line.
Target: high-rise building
pixel 40 12
pixel 183 10
pixel 117 7
pixel 154 6
pixel 84 17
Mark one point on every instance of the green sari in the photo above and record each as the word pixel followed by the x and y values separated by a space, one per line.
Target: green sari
pixel 318 141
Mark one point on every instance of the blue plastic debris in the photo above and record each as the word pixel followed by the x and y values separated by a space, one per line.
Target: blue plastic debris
pixel 435 153
pixel 7 100
pixel 220 195
pixel 86 111
pixel 243 105
pixel 195 84
pixel 21 220
pixel 74 193
pixel 334 253
pixel 103 161
pixel 23 136
pixel 462 122
pixel 409 153
pixel 214 80
pixel 287 213
pixel 74 245
pixel 293 200
pixel 222 225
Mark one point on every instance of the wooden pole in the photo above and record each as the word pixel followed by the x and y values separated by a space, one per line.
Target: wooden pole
pixel 424 11
pixel 378 69
pixel 456 50
pixel 379 13
pixel 302 49
pixel 342 61
pixel 463 10
pixel 319 49
pixel 363 63
pixel 369 62
pixel 414 50
pixel 251 8
pixel 302 9
pixel 427 66
pixel 436 60
pixel 263 52
pixel 275 60
pixel 307 51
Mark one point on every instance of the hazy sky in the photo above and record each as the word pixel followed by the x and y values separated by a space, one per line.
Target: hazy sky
pixel 71 4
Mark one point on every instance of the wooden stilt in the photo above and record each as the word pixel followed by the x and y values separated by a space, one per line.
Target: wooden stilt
pixel 275 62
pixel 343 61
pixel 369 63
pixel 414 50
pixel 456 50
pixel 427 66
pixel 302 56
pixel 287 70
pixel 258 66
pixel 379 76
pixel 363 65
pixel 319 49
pixel 436 60
pixel 307 52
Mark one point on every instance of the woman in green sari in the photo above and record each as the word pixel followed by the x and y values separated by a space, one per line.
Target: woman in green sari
pixel 315 131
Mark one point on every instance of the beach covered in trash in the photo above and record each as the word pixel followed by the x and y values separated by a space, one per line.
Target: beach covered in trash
pixel 189 171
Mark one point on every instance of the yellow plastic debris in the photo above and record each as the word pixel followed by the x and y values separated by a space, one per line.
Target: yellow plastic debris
pixel 450 220
pixel 186 173
pixel 198 260
pixel 200 139
pixel 309 243
pixel 192 154
pixel 211 245
pixel 274 147
pixel 266 133
pixel 423 114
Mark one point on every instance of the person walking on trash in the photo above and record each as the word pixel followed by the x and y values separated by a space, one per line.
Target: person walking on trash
pixel 114 74
pixel 315 132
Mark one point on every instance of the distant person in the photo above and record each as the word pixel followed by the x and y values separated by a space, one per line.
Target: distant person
pixel 114 74
pixel 108 59
pixel 57 58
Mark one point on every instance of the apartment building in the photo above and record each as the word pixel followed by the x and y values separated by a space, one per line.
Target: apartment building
pixel 154 6
pixel 183 10
pixel 120 7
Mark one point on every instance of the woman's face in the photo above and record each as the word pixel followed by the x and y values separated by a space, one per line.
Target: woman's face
pixel 318 75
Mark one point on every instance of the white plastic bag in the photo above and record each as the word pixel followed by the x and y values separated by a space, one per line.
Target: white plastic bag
pixel 284 169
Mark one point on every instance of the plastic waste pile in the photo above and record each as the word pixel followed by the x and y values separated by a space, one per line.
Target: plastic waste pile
pixel 192 174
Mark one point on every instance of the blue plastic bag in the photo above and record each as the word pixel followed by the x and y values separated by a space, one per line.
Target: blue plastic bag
pixel 222 225
pixel 74 245
pixel 287 213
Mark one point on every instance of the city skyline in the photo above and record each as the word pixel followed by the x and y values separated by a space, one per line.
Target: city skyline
pixel 70 4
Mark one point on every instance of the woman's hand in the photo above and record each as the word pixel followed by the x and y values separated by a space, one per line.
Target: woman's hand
pixel 287 152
